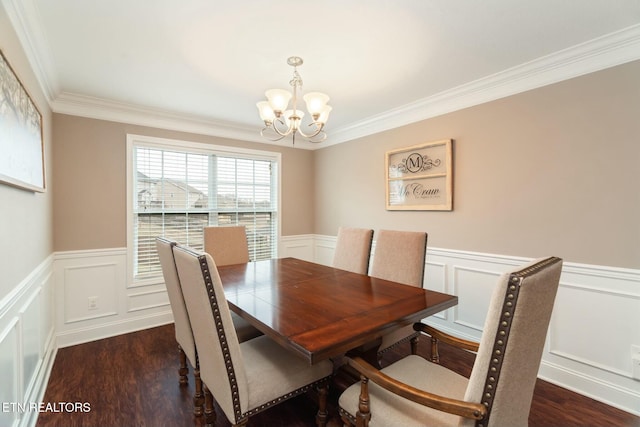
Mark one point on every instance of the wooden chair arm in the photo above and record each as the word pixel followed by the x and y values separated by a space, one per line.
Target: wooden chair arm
pixel 470 410
pixel 444 337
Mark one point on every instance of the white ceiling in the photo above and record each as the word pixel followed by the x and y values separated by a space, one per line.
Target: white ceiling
pixel 201 65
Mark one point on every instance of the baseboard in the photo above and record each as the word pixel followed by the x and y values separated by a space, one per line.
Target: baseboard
pixel 601 390
pixel 570 360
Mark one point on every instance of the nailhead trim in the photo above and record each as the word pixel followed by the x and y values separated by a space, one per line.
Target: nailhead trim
pixel 502 337
pixel 215 308
pixel 224 345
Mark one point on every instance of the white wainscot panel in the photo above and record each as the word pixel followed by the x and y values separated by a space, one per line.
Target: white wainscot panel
pixel 325 248
pixel 301 247
pixel 26 345
pixel 9 371
pixel 435 279
pixel 473 287
pixel 47 320
pixel 596 327
pixel 31 342
pixel 98 282
pixel 147 299
pixel 82 277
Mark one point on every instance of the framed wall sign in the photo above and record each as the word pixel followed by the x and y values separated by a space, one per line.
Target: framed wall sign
pixel 420 177
pixel 21 144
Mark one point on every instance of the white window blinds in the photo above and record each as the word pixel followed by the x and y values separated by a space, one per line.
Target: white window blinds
pixel 178 193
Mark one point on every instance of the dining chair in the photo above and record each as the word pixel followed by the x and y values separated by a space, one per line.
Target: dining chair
pixel 244 378
pixel 228 245
pixel 417 392
pixel 183 332
pixel 353 249
pixel 183 329
pixel 400 257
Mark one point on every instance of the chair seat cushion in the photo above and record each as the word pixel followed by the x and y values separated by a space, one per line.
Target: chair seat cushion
pixel 273 372
pixel 388 409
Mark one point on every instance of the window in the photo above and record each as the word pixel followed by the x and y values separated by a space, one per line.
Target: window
pixel 178 188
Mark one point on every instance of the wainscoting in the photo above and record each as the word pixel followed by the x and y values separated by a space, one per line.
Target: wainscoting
pixel 596 319
pixel 27 346
pixel 94 299
pixel 595 323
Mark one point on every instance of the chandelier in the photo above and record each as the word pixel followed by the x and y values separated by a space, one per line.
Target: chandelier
pixel 280 122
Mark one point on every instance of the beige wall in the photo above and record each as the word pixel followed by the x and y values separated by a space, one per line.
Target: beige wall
pixel 553 171
pixel 90 181
pixel 25 217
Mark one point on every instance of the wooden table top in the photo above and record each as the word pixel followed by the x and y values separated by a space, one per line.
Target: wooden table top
pixel 319 311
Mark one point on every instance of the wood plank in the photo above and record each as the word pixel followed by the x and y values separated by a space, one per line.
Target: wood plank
pixel 132 380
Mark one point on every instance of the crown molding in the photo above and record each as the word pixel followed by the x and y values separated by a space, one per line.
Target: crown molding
pixel 105 109
pixel 604 52
pixel 26 24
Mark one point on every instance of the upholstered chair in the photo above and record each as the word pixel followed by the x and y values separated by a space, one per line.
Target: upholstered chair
pixel 400 257
pixel 184 335
pixel 416 392
pixel 353 249
pixel 228 245
pixel 244 378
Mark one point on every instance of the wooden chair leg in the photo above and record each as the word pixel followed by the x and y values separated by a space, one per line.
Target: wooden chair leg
pixel 198 396
pixel 364 411
pixel 323 414
pixel 183 370
pixel 435 356
pixel 414 345
pixel 209 410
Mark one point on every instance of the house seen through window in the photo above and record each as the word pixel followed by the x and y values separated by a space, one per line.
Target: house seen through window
pixel 178 192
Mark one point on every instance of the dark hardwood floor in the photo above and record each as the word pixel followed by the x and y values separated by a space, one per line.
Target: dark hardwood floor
pixel 132 380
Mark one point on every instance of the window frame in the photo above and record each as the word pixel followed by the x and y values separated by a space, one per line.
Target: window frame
pixel 135 140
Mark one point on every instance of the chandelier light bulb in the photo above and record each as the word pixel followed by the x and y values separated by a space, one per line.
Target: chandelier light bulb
pixel 266 112
pixel 316 102
pixel 278 100
pixel 324 114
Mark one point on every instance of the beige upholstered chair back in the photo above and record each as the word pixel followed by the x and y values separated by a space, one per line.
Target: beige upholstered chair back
pixel 400 256
pixel 504 373
pixel 353 249
pixel 227 245
pixel 184 335
pixel 221 364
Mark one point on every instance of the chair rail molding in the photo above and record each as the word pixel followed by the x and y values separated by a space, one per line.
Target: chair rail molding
pixel 572 358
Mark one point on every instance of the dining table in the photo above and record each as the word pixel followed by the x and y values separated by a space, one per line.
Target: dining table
pixel 321 312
